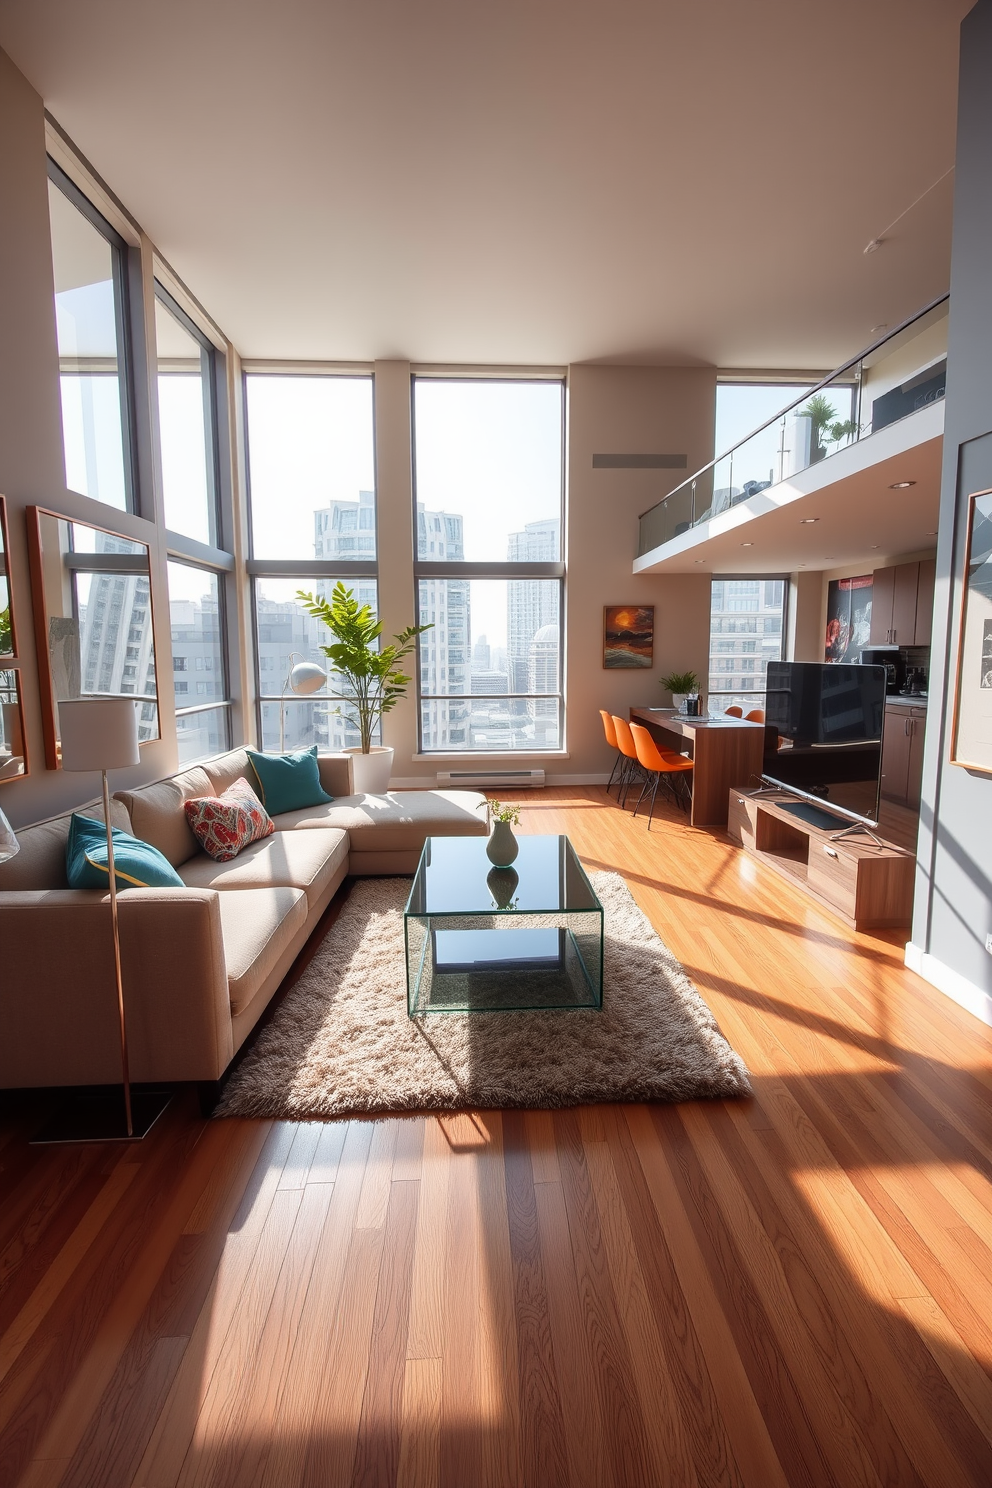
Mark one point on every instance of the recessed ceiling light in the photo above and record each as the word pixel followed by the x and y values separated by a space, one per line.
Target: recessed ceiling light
pixel 699 560
pixel 929 534
pixel 807 521
pixel 747 545
pixel 874 547
pixel 901 485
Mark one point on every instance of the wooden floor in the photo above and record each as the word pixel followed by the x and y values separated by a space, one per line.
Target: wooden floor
pixel 794 1290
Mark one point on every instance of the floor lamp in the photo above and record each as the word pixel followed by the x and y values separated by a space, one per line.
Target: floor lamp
pixel 101 733
pixel 304 678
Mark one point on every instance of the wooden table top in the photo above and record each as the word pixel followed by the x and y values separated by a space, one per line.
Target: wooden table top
pixel 668 716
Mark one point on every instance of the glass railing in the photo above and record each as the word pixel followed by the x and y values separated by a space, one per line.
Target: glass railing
pixel 897 375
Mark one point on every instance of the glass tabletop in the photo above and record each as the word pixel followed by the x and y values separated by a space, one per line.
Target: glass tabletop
pixel 456 877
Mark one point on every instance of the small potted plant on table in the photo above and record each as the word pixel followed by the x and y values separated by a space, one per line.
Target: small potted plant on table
pixel 681 685
pixel 502 846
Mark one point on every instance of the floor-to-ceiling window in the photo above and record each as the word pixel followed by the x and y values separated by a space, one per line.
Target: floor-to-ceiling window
pixel 488 477
pixel 747 631
pixel 312 511
pixel 92 329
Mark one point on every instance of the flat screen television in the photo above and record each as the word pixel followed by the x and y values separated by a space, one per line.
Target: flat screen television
pixel 828 718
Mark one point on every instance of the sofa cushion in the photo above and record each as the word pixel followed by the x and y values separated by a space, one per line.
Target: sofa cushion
pixel 301 860
pixel 226 768
pixel 258 926
pixel 288 782
pixel 137 865
pixel 157 814
pixel 400 821
pixel 40 863
pixel 225 825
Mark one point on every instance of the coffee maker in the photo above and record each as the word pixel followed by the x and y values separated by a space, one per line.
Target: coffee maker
pixel 889 658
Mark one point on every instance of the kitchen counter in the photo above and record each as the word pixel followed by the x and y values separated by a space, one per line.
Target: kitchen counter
pixel 906 700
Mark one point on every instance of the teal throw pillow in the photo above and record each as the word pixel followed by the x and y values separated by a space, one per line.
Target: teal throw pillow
pixel 137 865
pixel 288 782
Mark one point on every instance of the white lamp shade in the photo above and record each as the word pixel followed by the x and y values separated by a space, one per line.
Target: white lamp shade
pixel 307 677
pixel 98 734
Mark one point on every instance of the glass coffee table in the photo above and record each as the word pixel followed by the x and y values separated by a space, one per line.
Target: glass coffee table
pixel 485 939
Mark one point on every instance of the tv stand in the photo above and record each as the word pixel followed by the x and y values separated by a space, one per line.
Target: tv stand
pixel 868 884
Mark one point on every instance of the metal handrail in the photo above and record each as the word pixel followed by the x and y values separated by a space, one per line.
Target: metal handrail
pixel 825 382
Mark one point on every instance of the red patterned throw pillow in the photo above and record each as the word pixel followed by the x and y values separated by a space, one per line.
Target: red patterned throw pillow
pixel 224 825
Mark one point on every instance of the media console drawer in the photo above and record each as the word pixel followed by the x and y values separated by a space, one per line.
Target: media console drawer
pixel 867 885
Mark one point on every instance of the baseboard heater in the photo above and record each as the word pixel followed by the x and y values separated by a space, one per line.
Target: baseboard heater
pixel 473 779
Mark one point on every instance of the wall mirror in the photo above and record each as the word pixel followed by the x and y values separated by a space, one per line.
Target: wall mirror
pixel 13 756
pixel 93 620
pixel 8 637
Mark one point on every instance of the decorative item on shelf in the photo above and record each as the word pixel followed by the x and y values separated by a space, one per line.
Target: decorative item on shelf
pixel 503 884
pixel 680 685
pixel 971 732
pixel 9 845
pixel 97 735
pixel 303 679
pixel 502 846
pixel 628 635
pixel 367 673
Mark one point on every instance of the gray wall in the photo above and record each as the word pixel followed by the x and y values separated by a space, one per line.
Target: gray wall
pixel 953 911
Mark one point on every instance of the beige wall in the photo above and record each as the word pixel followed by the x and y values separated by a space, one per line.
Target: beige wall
pixel 807 616
pixel 615 410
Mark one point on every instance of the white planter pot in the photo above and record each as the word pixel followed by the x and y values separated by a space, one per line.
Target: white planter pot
pixel 372 771
pixel 678 701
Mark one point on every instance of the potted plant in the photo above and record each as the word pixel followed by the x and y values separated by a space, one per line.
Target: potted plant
pixel 370 682
pixel 502 846
pixel 681 685
pixel 825 428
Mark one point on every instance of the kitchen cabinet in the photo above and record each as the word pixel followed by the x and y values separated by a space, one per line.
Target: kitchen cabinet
pixel 883 589
pixel 902 604
pixel 902 753
pixel 924 602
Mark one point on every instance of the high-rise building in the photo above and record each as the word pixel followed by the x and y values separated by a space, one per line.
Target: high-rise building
pixel 745 635
pixel 445 662
pixel 116 644
pixel 531 604
pixel 345 530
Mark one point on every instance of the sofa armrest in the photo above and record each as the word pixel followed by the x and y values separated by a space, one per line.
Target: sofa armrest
pixel 58 999
pixel 337 774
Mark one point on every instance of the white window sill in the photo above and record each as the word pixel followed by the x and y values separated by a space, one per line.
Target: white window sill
pixel 495 755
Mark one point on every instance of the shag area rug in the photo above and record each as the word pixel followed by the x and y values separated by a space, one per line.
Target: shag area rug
pixel 342 1044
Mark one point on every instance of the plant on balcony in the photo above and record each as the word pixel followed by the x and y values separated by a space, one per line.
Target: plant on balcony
pixel 369 676
pixel 823 420
pixel 5 632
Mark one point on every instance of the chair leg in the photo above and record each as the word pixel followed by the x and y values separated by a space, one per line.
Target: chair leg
pixel 643 789
pixel 616 762
pixel 654 793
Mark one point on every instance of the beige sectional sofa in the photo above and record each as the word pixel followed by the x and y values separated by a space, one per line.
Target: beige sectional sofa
pixel 200 963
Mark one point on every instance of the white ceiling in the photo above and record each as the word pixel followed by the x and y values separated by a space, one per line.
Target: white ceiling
pixel 534 181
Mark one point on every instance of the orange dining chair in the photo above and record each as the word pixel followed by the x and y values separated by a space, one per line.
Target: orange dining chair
pixel 625 744
pixel 756 715
pixel 735 710
pixel 661 763
pixel 611 739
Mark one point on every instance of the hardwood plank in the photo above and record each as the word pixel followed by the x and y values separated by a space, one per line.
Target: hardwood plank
pixel 378 1177
pixel 420 1443
pixel 377 1453
pixel 426 1331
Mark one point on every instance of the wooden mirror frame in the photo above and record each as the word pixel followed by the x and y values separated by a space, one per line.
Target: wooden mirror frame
pixel 11 655
pixel 49 706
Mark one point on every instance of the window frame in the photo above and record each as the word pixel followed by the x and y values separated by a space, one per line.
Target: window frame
pixel 298 568
pixel 424 568
pixel 210 360
pixel 120 261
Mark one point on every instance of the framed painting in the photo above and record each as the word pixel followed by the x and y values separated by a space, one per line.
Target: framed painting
pixel 848 618
pixel 971 733
pixel 628 636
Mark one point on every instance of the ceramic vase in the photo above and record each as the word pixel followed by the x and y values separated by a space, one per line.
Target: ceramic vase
pixel 503 885
pixel 502 846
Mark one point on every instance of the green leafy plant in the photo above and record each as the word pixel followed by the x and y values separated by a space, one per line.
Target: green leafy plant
pixel 823 418
pixel 370 680
pixel 5 632
pixel 679 682
pixel 502 813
